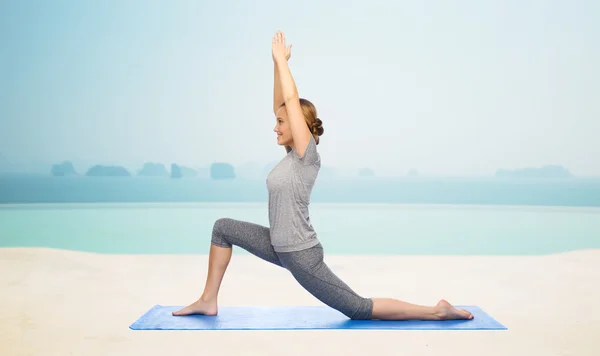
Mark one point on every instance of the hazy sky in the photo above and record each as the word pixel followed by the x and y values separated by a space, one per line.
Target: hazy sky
pixel 446 87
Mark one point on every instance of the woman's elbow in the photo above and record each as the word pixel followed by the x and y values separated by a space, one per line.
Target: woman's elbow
pixel 292 97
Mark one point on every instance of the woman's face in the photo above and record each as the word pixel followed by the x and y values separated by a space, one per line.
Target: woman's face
pixel 282 128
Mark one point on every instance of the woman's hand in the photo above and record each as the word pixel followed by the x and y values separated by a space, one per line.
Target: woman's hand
pixel 279 50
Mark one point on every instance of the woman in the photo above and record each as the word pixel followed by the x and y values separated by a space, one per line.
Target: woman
pixel 291 241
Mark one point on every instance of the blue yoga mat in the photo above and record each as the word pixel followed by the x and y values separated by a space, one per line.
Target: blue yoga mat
pixel 295 318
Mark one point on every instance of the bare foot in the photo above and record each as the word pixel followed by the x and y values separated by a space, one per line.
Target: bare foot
pixel 445 311
pixel 199 307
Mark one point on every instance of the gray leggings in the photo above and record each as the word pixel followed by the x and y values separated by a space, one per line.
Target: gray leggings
pixel 306 266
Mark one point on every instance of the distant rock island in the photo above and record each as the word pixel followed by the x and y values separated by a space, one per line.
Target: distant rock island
pixel 107 171
pixel 153 170
pixel 63 169
pixel 222 171
pixel 178 171
pixel 549 171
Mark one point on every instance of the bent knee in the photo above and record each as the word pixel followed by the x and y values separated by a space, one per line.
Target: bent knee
pixel 220 224
pixel 219 235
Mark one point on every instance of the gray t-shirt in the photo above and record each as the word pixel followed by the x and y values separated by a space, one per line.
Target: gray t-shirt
pixel 290 184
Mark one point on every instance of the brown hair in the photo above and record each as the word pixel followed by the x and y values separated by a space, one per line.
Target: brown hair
pixel 315 125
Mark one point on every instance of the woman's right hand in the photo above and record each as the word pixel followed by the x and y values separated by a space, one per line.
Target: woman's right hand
pixel 279 38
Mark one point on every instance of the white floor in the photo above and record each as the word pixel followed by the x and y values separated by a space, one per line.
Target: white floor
pixel 72 303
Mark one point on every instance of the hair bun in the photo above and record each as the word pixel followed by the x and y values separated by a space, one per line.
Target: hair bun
pixel 317 127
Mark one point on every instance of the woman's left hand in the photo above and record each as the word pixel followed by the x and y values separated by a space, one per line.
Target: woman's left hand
pixel 279 51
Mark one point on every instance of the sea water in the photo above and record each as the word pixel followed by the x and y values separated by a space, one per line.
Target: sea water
pixel 582 192
pixel 342 228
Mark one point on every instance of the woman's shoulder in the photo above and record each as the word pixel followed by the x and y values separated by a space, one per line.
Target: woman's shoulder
pixel 311 155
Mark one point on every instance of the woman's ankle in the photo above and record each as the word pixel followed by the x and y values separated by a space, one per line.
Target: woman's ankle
pixel 208 298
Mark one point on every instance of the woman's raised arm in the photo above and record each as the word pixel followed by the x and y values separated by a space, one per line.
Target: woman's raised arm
pixel 277 94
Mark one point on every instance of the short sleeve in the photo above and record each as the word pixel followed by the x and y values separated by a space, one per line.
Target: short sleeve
pixel 311 156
